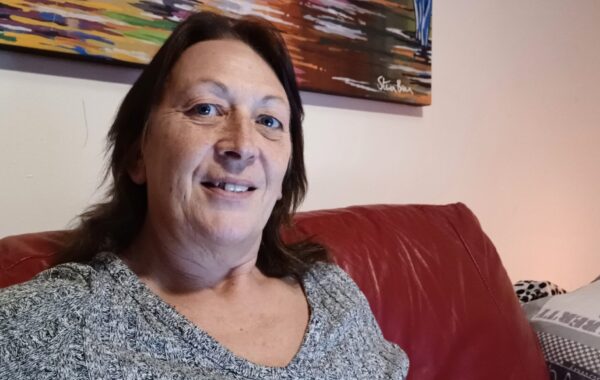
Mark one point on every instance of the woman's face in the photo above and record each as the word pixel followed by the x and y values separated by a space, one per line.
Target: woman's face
pixel 217 146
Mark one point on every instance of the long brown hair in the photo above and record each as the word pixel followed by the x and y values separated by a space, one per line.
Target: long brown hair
pixel 113 224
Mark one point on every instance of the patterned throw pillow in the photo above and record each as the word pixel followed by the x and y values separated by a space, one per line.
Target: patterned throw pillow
pixel 527 290
pixel 568 327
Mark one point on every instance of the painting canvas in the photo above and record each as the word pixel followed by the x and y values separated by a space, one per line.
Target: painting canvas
pixel 377 49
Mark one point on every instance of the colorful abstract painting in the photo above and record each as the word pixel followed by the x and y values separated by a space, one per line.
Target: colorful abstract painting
pixel 377 49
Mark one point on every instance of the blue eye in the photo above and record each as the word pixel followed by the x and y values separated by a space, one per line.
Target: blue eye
pixel 206 109
pixel 269 121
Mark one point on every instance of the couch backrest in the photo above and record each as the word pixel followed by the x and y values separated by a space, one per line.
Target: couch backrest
pixel 433 279
pixel 24 256
pixel 437 287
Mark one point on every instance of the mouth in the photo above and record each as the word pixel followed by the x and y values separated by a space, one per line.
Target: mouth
pixel 228 186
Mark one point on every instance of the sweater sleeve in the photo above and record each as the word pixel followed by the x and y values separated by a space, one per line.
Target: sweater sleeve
pixel 41 323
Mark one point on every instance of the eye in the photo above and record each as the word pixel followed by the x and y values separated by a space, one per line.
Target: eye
pixel 206 109
pixel 269 122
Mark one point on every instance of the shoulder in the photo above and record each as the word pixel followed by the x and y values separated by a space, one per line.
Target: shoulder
pixel 41 317
pixel 349 319
pixel 333 292
pixel 331 274
pixel 331 281
pixel 60 284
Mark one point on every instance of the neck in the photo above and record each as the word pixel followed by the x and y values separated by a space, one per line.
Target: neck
pixel 176 265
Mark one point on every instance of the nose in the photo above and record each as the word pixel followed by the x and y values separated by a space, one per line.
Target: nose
pixel 237 145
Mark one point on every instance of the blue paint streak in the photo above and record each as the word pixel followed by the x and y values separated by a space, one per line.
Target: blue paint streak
pixel 53 17
pixel 423 20
pixel 80 50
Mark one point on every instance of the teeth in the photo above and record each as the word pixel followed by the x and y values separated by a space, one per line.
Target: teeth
pixel 232 187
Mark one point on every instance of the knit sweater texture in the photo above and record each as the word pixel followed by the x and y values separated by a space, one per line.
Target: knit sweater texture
pixel 99 321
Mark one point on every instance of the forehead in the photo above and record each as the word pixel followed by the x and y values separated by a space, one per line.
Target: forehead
pixel 230 62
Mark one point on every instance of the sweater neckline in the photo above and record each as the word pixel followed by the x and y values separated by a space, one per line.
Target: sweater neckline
pixel 200 340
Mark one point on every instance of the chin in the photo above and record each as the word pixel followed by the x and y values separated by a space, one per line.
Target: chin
pixel 228 234
pixel 225 226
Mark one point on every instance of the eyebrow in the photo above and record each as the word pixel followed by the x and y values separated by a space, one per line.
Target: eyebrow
pixel 221 89
pixel 218 86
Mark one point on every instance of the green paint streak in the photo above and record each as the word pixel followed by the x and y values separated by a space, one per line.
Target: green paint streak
pixel 7 38
pixel 137 21
pixel 147 35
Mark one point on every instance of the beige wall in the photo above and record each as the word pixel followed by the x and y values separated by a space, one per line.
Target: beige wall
pixel 513 132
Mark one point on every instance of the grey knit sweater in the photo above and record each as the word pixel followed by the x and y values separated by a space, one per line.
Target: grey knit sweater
pixel 98 321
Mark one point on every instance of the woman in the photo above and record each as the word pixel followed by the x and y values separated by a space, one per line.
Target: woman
pixel 182 272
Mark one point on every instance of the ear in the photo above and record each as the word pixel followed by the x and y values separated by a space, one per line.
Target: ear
pixel 137 168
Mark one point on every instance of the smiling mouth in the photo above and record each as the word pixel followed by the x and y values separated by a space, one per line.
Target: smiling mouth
pixel 230 187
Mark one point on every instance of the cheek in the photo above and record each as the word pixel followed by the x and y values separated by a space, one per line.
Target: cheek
pixel 174 181
pixel 176 160
pixel 282 155
pixel 280 164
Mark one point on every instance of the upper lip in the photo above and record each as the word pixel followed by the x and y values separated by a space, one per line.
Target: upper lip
pixel 233 181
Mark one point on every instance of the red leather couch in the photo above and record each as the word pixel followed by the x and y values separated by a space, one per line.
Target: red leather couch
pixel 433 278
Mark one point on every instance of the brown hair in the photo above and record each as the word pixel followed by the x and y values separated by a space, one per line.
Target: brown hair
pixel 112 225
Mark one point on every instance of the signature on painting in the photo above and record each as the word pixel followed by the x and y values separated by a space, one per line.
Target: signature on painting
pixel 389 86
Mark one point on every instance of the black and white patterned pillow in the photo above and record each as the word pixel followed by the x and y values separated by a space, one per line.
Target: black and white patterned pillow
pixel 568 328
pixel 569 359
pixel 527 290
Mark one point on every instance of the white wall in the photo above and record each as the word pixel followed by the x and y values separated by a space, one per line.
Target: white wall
pixel 513 132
